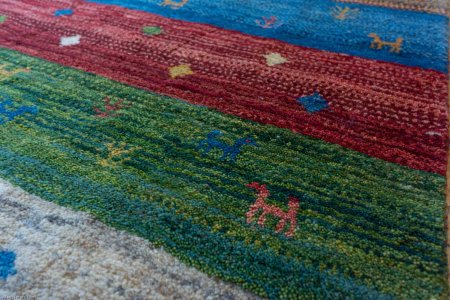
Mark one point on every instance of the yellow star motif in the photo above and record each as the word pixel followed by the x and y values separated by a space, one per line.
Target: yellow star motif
pixel 179 71
pixel 273 59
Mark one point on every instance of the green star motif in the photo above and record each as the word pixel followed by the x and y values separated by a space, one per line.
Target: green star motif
pixel 152 30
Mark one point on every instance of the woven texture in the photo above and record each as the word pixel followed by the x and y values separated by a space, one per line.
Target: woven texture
pixel 298 160
pixel 432 6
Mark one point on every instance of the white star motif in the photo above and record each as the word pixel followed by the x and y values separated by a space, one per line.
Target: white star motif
pixel 273 59
pixel 70 40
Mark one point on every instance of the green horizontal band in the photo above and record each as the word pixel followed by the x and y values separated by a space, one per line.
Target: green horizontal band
pixel 365 228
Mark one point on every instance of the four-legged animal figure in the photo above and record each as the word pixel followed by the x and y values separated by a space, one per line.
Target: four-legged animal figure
pixel 378 44
pixel 7 115
pixel 343 13
pixel 174 4
pixel 271 22
pixel 231 152
pixel 110 108
pixel 267 209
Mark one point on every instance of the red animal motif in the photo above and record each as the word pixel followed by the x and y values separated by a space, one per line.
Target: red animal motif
pixel 109 108
pixel 267 209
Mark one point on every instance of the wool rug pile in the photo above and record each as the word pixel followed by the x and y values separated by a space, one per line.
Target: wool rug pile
pixel 173 149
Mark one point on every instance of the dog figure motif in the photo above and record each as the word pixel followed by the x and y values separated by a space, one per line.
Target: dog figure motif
pixel 231 152
pixel 378 44
pixel 174 4
pixel 267 209
pixel 9 115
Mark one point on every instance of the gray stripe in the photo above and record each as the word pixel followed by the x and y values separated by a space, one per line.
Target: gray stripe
pixel 62 254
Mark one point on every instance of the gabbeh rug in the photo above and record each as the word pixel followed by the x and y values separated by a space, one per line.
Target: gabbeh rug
pixel 180 149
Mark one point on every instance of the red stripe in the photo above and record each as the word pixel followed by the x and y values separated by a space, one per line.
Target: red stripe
pixel 385 110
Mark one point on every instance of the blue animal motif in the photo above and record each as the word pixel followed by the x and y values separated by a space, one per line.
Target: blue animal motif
pixel 7 115
pixel 230 152
pixel 7 259
pixel 63 12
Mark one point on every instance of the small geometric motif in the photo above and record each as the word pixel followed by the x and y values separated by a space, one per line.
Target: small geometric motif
pixel 109 108
pixel 63 12
pixel 174 4
pixel 152 30
pixel 7 259
pixel 5 74
pixel 313 103
pixel 271 22
pixel 117 154
pixel 70 40
pixel 7 115
pixel 344 13
pixel 273 59
pixel 180 71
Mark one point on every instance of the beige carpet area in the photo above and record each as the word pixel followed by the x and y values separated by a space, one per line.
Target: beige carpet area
pixel 63 254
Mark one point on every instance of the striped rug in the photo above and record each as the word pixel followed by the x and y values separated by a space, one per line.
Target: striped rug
pixel 226 149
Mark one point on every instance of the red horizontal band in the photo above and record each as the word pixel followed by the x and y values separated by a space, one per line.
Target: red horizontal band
pixel 385 110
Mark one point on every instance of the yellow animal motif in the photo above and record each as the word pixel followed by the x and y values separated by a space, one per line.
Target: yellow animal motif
pixel 174 4
pixel 115 152
pixel 343 13
pixel 378 44
pixel 4 74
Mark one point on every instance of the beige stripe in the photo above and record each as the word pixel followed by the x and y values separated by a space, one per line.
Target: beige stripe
pixel 63 254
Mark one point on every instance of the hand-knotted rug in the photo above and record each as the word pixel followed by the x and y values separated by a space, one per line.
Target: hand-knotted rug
pixel 227 149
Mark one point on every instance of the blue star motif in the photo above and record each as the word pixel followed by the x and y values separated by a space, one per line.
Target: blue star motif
pixel 313 103
pixel 63 12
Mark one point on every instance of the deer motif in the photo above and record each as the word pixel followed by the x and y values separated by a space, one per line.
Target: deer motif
pixel 9 115
pixel 378 44
pixel 260 203
pixel 174 4
pixel 343 13
pixel 109 108
pixel 116 154
pixel 271 22
pixel 232 151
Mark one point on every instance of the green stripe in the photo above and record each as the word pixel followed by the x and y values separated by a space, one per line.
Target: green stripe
pixel 366 227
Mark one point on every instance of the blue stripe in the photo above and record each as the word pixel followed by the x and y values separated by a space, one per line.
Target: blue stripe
pixel 311 23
